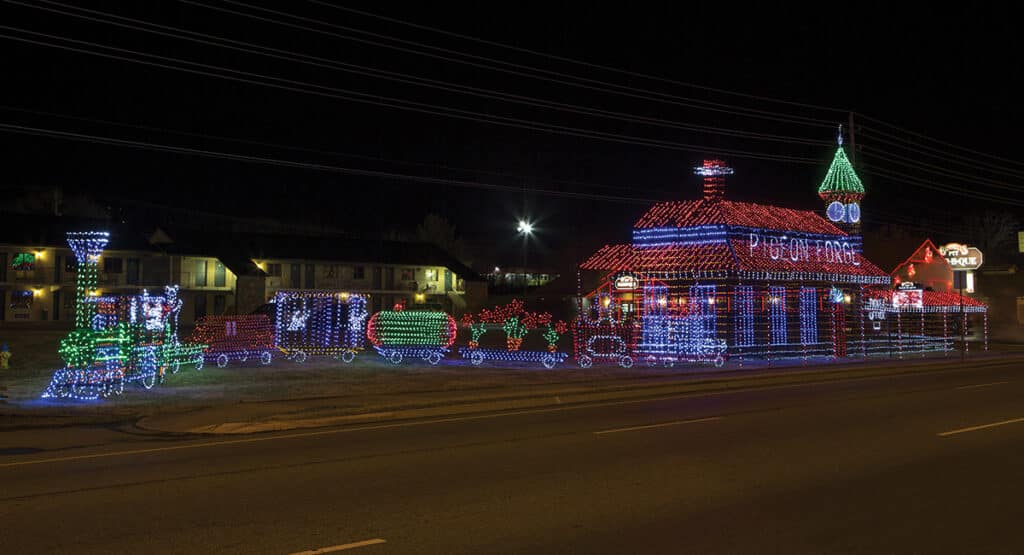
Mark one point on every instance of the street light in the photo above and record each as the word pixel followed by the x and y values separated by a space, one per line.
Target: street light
pixel 526 229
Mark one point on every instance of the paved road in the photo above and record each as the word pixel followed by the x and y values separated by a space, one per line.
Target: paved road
pixel 844 466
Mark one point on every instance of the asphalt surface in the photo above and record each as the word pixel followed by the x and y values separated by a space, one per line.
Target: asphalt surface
pixel 857 466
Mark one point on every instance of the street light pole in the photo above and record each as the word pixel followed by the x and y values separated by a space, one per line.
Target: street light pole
pixel 525 228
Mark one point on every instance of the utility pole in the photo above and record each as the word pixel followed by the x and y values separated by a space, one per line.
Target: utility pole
pixel 853 141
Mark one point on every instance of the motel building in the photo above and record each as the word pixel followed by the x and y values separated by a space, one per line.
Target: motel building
pixel 714 279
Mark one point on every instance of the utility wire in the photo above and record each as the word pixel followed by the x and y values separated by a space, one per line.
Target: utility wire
pixel 958 191
pixel 973 179
pixel 82 137
pixel 335 154
pixel 400 77
pixel 576 61
pixel 366 98
pixel 951 145
pixel 945 155
pixel 558 77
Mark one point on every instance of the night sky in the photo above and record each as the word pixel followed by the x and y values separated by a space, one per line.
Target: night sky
pixel 952 76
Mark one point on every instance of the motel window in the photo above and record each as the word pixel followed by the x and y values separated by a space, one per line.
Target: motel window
pixel 112 266
pixel 219 275
pixel 70 264
pixel 408 274
pixel 200 280
pixel 219 304
pixel 359 272
pixel 310 276
pixel 274 270
pixel 21 299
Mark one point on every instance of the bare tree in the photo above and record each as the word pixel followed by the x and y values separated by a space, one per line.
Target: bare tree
pixel 995 233
pixel 440 232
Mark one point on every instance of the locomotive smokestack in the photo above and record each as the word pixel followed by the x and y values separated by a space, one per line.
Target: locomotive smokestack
pixel 87 246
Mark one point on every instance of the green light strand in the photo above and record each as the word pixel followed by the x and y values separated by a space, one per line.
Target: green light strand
pixel 841 178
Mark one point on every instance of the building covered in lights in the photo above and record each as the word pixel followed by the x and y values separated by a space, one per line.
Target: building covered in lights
pixel 748 280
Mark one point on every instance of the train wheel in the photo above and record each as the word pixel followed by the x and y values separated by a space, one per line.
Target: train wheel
pixel 299 356
pixel 348 356
pixel 548 361
pixel 395 357
pixel 175 367
pixel 265 358
pixel 626 361
pixel 200 361
pixel 651 361
pixel 148 380
pixel 244 356
pixel 477 358
pixel 719 361
pixel 118 380
pixel 667 362
pixel 222 360
pixel 434 358
pixel 585 361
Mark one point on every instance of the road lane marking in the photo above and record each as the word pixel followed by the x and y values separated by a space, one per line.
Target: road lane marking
pixel 662 425
pixel 581 406
pixel 981 427
pixel 342 547
pixel 980 385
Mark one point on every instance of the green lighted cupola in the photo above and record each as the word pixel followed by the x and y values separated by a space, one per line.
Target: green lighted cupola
pixel 842 190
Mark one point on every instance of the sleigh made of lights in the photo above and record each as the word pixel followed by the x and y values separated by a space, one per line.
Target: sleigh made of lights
pixel 401 334
pixel 132 338
pixel 325 323
pixel 238 338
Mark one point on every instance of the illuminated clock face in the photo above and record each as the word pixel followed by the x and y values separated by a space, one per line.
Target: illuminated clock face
pixel 853 212
pixel 835 211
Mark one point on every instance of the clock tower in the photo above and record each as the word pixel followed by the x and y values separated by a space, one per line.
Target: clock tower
pixel 842 192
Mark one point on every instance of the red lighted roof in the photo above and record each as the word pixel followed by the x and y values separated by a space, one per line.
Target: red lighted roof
pixel 715 257
pixel 703 212
pixel 662 259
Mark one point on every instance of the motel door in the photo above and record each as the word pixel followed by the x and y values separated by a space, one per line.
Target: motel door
pixel 839 329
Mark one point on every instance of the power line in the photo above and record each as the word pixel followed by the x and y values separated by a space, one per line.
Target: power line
pixel 937 170
pixel 559 77
pixel 82 137
pixel 316 151
pixel 336 65
pixel 378 100
pixel 944 155
pixel 911 180
pixel 575 61
pixel 926 137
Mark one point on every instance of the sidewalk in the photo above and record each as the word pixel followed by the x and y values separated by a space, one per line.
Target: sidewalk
pixel 300 413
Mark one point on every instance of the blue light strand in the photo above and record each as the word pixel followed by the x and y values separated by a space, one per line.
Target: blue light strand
pixel 777 314
pixel 808 315
pixel 744 315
